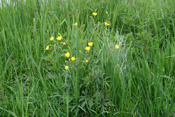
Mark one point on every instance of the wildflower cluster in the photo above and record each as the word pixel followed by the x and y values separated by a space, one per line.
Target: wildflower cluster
pixel 67 53
pixel 52 39
pixel 59 45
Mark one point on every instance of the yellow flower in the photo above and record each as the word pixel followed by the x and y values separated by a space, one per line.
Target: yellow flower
pixel 59 38
pixel 75 24
pixel 94 13
pixel 87 48
pixel 47 48
pixel 117 46
pixel 106 24
pixel 52 38
pixel 73 58
pixel 67 54
pixel 63 43
pixel 86 61
pixel 90 43
pixel 66 67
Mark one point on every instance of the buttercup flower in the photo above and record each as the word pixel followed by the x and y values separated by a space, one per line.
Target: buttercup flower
pixel 94 13
pixel 86 61
pixel 90 43
pixel 47 48
pixel 87 48
pixel 73 59
pixel 52 38
pixel 66 67
pixel 117 46
pixel 106 24
pixel 59 38
pixel 75 24
pixel 67 54
pixel 64 43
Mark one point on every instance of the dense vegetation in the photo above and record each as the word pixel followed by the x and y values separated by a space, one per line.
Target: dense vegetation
pixel 128 71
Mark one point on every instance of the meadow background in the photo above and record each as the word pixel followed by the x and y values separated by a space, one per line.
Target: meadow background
pixel 138 79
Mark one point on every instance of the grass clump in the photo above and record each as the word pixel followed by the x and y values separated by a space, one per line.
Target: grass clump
pixel 87 58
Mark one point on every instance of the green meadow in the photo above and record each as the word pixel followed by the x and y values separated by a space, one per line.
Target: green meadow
pixel 87 58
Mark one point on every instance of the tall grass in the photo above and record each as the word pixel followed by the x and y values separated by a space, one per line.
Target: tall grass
pixel 138 79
